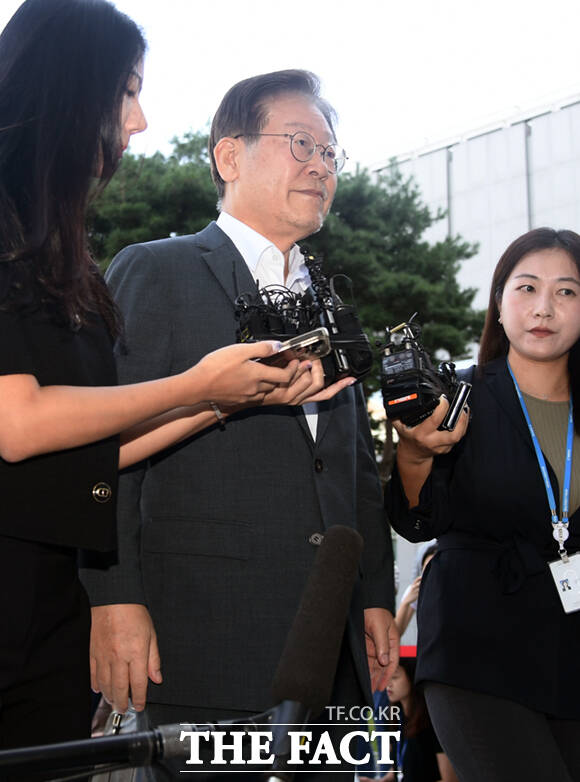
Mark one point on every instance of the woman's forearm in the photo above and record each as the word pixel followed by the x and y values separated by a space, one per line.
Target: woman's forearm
pixel 158 433
pixel 38 419
pixel 414 469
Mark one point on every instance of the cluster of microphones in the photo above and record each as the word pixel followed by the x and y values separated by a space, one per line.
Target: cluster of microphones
pixel 319 324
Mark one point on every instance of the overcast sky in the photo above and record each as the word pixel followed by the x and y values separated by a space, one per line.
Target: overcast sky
pixel 401 73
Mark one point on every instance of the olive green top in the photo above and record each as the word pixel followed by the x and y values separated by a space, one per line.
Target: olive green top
pixel 550 421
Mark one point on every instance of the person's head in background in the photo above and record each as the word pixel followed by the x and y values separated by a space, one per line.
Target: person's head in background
pixel 401 689
pixel 428 555
pixel 70 77
pixel 423 555
pixel 534 306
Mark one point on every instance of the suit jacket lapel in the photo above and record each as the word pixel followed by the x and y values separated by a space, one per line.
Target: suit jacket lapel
pixel 301 418
pixel 501 386
pixel 325 410
pixel 226 263
pixel 232 273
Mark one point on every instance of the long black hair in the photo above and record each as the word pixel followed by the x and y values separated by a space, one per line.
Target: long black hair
pixel 494 342
pixel 64 69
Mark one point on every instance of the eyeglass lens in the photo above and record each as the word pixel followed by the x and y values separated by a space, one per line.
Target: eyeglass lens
pixel 303 147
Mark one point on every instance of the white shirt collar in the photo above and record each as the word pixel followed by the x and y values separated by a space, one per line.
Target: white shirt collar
pixel 266 264
pixel 264 260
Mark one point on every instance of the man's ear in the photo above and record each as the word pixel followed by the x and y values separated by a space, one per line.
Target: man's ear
pixel 226 155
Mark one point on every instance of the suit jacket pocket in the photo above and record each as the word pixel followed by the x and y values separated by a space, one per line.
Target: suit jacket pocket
pixel 197 537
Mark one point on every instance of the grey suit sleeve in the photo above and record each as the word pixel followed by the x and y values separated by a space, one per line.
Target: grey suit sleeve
pixel 372 522
pixel 142 354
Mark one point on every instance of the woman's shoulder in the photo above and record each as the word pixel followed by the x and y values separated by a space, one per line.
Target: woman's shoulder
pixel 489 381
pixel 479 371
pixel 467 374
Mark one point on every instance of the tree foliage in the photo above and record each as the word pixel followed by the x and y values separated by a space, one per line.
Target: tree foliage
pixel 374 236
pixel 154 197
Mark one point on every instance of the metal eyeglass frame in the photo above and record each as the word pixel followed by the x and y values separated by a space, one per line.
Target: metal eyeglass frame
pixel 339 161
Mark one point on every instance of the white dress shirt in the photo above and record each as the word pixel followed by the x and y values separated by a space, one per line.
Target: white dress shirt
pixel 266 264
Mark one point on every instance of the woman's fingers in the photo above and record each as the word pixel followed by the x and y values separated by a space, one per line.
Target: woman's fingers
pixel 426 438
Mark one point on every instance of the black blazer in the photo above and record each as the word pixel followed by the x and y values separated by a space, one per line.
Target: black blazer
pixel 217 534
pixel 489 617
pixel 65 497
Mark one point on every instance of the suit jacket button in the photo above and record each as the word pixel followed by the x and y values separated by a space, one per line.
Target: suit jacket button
pixel 316 538
pixel 318 465
pixel 102 492
pixel 417 524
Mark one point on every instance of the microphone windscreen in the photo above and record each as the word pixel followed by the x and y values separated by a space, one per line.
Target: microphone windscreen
pixel 307 666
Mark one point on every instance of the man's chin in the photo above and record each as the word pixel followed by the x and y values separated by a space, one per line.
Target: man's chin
pixel 307 228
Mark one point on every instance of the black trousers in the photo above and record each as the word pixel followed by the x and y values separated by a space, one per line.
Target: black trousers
pixel 490 739
pixel 44 646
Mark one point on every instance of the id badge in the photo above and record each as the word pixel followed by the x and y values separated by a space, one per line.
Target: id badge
pixel 566 577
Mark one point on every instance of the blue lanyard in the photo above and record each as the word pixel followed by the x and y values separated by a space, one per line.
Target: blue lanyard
pixel 560 531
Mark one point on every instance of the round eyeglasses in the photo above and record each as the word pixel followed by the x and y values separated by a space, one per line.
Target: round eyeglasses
pixel 303 147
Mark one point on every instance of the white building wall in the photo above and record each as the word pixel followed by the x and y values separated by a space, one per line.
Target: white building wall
pixel 498 184
pixel 555 165
pixel 488 202
pixel 430 173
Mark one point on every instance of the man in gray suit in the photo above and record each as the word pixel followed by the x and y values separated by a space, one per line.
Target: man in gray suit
pixel 217 534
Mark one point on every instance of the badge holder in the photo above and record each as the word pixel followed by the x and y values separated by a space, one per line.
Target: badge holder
pixel 566 572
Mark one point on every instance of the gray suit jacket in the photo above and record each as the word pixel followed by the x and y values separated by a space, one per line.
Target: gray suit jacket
pixel 215 534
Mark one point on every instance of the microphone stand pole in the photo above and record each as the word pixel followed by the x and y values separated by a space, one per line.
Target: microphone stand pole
pixel 136 749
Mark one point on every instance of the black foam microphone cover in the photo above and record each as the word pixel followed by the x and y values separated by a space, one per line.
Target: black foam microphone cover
pixel 307 666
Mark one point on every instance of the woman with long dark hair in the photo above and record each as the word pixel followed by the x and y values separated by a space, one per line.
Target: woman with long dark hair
pixel 499 626
pixel 70 77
